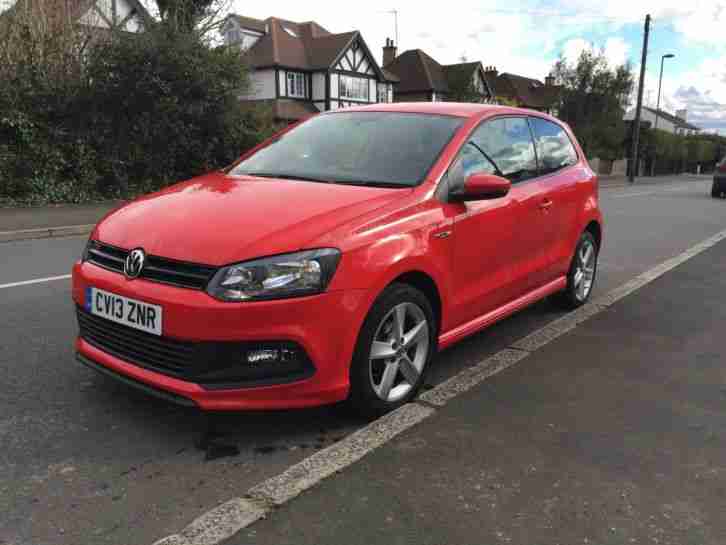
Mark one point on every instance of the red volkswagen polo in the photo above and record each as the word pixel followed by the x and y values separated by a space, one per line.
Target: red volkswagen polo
pixel 333 261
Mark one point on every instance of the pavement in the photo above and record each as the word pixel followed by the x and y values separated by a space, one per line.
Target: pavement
pixel 51 221
pixel 614 433
pixel 70 220
pixel 86 460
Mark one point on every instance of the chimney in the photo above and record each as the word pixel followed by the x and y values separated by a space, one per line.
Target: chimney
pixel 550 80
pixel 389 52
pixel 491 72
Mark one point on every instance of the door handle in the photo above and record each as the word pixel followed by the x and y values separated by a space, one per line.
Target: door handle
pixel 546 204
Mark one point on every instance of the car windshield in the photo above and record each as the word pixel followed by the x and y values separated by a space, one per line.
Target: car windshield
pixel 361 148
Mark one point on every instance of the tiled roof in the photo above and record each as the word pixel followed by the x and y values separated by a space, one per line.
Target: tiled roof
pixel 307 46
pixel 529 92
pixel 418 72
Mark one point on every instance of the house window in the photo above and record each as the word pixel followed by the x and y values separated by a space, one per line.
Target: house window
pixel 355 88
pixel 296 85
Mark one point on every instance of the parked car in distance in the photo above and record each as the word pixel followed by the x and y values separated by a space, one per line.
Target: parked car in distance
pixel 718 189
pixel 334 260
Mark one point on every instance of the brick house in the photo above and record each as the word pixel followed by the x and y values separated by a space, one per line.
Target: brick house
pixel 302 68
pixel 525 92
pixel 93 16
pixel 423 79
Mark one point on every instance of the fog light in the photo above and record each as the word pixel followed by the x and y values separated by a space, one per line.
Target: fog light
pixel 264 356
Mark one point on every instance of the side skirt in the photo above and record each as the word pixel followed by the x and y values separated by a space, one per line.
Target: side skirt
pixel 464 330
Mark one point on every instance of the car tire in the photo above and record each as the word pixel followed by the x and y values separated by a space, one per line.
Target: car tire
pixel 716 190
pixel 380 384
pixel 581 276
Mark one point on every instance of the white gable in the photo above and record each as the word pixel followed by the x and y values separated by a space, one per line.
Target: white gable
pixel 93 18
pixel 133 24
pixel 104 6
pixel 355 59
pixel 123 9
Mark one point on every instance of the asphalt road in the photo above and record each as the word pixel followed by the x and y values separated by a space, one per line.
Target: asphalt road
pixel 85 460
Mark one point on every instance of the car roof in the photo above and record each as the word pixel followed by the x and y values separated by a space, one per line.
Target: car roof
pixel 458 109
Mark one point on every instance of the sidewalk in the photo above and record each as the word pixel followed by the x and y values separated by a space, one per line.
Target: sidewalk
pixel 45 221
pixel 620 181
pixel 612 434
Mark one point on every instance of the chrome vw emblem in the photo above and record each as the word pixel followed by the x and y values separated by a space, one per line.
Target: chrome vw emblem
pixel 134 263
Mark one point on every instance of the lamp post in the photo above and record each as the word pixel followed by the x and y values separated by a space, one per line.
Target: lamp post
pixel 657 110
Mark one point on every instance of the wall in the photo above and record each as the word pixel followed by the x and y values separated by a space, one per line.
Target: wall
pixel 261 85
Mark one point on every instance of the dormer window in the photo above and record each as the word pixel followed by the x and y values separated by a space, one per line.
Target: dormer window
pixel 233 35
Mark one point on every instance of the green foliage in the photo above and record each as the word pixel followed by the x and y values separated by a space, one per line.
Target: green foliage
pixel 141 112
pixel 678 153
pixel 185 14
pixel 593 101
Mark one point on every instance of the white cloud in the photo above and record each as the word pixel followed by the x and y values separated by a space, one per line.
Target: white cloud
pixel 616 50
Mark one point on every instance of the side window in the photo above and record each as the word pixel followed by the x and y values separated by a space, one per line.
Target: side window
pixel 507 144
pixel 469 161
pixel 474 162
pixel 554 148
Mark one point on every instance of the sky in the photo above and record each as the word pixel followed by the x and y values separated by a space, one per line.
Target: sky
pixel 526 37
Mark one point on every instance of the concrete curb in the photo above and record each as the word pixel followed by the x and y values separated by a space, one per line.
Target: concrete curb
pixel 46 232
pixel 225 520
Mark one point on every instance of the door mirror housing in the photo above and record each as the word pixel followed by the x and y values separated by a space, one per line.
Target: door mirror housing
pixel 481 186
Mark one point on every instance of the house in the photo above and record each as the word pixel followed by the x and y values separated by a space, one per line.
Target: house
pixel 525 92
pixel 90 15
pixel 302 68
pixel 423 79
pixel 674 124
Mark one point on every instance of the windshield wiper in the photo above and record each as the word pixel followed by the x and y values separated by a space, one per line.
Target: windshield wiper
pixel 287 177
pixel 375 183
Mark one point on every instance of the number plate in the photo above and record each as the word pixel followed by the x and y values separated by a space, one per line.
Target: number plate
pixel 122 310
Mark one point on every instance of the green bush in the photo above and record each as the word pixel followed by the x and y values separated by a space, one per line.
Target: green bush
pixel 143 111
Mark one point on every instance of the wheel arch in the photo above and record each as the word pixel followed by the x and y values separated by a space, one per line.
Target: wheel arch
pixel 426 285
pixel 595 229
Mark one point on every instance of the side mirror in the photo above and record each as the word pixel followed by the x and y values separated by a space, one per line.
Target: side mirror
pixel 482 186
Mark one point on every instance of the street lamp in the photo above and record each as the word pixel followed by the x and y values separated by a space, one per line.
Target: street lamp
pixel 657 107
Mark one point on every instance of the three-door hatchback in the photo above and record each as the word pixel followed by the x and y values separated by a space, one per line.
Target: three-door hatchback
pixel 333 261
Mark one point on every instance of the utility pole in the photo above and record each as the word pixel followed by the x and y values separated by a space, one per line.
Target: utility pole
pixel 639 106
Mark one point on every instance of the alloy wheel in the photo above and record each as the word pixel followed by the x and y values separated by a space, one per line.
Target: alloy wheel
pixel 585 270
pixel 399 351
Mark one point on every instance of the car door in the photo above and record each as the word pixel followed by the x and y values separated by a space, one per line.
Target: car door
pixel 555 155
pixel 508 143
pixel 482 242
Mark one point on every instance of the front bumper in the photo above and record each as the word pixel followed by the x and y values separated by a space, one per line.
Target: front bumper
pixel 324 326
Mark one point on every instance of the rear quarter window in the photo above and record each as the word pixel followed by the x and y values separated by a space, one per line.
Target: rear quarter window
pixel 554 147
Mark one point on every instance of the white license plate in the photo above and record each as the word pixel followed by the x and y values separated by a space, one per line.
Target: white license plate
pixel 122 310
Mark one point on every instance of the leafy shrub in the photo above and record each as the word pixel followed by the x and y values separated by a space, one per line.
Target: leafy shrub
pixel 132 113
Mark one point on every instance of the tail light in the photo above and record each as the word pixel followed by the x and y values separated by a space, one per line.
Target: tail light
pixel 721 167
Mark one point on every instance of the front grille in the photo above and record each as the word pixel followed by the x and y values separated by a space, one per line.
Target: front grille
pixel 156 269
pixel 162 354
pixel 212 364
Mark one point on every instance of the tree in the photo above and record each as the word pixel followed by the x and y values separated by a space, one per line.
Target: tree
pixel 593 101
pixel 189 15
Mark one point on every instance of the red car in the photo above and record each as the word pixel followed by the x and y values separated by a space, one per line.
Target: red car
pixel 333 261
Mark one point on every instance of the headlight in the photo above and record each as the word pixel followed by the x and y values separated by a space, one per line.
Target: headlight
pixel 288 275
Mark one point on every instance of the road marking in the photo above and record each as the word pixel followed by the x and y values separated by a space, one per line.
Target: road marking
pixel 227 519
pixel 36 281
